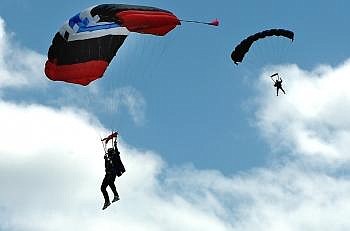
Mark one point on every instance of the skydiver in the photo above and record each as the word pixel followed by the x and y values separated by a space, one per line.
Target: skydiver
pixel 277 83
pixel 113 167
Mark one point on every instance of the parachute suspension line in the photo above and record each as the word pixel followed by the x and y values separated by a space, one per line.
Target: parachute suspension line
pixel 103 145
pixel 136 66
pixel 248 67
pixel 280 49
pixel 255 56
pixel 269 51
pixel 108 96
pixel 112 138
pixel 214 22
pixel 272 77
pixel 274 47
pixel 286 51
pixel 128 70
pixel 122 67
pixel 253 59
pixel 164 45
pixel 161 56
pixel 153 50
pixel 140 51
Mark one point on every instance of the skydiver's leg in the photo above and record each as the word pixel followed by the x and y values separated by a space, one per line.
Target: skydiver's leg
pixel 112 185
pixel 277 91
pixel 283 90
pixel 104 185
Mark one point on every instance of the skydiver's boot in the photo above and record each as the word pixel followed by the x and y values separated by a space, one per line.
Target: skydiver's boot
pixel 106 204
pixel 116 198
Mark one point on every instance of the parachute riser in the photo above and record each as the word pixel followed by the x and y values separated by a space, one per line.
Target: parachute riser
pixel 103 145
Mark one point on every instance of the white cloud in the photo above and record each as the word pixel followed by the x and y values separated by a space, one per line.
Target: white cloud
pixel 19 66
pixel 312 119
pixel 113 101
pixel 51 166
pixel 287 197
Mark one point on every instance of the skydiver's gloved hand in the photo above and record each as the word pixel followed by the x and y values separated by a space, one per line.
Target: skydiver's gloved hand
pixel 115 144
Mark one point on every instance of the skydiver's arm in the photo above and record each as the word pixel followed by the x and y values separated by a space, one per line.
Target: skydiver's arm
pixel 116 148
pixel 115 144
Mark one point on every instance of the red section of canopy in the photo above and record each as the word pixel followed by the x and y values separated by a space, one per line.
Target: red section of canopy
pixel 79 73
pixel 148 22
pixel 111 136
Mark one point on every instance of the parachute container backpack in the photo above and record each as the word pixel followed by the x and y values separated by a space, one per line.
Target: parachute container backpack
pixel 85 45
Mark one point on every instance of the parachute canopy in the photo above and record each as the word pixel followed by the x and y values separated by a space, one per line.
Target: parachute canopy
pixel 241 49
pixel 85 45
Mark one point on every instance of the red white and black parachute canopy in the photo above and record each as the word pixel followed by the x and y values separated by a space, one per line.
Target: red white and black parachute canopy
pixel 87 42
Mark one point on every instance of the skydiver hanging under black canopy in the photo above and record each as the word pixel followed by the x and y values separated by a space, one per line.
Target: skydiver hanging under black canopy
pixel 277 82
pixel 113 167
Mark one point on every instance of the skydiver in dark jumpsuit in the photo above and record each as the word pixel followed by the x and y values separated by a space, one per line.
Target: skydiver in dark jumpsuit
pixel 113 167
pixel 277 83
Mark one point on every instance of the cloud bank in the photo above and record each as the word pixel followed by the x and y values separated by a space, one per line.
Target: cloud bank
pixel 51 167
pixel 51 164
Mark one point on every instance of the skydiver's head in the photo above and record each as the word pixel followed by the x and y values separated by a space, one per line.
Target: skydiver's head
pixel 110 150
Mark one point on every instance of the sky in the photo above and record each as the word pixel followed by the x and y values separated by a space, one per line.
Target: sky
pixel 206 144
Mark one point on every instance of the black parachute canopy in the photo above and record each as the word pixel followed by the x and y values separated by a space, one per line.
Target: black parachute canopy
pixel 241 49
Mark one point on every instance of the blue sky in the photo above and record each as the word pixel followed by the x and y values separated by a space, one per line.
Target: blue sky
pixel 197 103
pixel 182 106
